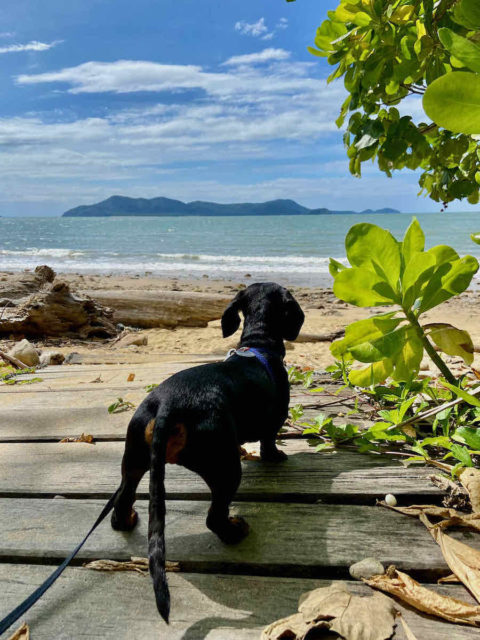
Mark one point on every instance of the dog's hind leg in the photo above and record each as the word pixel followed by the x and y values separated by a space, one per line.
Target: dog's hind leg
pixel 223 474
pixel 135 463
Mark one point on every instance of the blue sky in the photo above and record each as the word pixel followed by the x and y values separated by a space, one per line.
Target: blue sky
pixel 189 99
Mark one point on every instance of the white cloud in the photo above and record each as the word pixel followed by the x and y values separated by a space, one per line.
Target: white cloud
pixel 267 55
pixel 129 76
pixel 7 34
pixel 256 29
pixel 262 107
pixel 259 29
pixel 30 46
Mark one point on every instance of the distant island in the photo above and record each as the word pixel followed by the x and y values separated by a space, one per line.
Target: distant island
pixel 122 206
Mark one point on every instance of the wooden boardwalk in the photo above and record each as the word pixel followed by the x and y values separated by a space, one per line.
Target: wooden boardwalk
pixel 310 517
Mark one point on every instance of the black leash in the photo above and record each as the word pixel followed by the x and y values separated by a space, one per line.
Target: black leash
pixel 14 615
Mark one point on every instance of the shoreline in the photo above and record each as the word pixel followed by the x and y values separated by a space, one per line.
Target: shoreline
pixel 323 314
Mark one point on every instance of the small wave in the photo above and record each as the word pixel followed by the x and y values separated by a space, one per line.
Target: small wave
pixel 251 260
pixel 54 253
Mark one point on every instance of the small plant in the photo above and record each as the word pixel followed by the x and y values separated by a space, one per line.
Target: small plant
pixel 151 387
pixel 295 413
pixel 121 405
pixel 9 375
pixel 386 272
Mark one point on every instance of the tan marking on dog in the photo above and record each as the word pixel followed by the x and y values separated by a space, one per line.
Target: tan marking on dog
pixel 176 443
pixel 149 432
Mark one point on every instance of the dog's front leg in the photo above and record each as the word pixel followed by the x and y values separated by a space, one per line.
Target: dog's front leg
pixel 223 474
pixel 269 451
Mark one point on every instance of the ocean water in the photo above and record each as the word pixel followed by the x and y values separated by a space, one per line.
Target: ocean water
pixel 287 249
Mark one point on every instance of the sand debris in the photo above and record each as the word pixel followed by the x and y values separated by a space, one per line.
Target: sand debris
pixel 470 479
pixel 83 437
pixel 137 564
pixel 23 633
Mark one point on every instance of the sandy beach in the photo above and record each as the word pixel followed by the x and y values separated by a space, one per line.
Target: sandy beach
pixel 324 314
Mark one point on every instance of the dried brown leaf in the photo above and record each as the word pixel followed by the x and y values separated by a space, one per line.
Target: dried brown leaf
pixel 451 579
pixel 246 455
pixel 325 603
pixel 408 632
pixel 462 559
pixel 370 618
pixel 409 590
pixel 452 517
pixel 335 609
pixel 139 565
pixel 409 431
pixel 23 633
pixel 131 377
pixel 455 495
pixel 84 437
pixel 292 628
pixel 470 479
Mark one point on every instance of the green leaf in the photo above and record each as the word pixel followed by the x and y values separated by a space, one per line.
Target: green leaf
pixel 384 347
pixel 464 50
pixel 453 102
pixel 452 341
pixel 450 279
pixel 373 374
pixel 460 393
pixel 467 13
pixel 363 331
pixel 475 237
pixel 462 454
pixel 413 240
pixel 469 436
pixel 418 270
pixel 408 359
pixel 335 267
pixel 351 14
pixel 372 247
pixel 443 253
pixel 402 14
pixel 361 287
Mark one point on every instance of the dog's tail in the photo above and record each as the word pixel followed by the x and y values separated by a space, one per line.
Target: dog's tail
pixel 156 525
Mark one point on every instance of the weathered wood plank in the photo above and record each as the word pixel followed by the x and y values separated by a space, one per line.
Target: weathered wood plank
pixel 298 540
pixel 86 381
pixel 40 414
pixel 86 604
pixel 81 469
pixel 57 422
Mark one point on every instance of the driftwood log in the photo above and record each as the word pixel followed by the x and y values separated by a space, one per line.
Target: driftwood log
pixel 15 286
pixel 321 337
pixel 162 309
pixel 55 311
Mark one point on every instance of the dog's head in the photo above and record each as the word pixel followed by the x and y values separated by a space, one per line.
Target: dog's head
pixel 270 311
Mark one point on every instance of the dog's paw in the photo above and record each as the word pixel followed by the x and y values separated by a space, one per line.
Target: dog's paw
pixel 273 455
pixel 232 531
pixel 124 524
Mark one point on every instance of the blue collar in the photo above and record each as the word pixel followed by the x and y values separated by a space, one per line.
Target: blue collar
pixel 252 352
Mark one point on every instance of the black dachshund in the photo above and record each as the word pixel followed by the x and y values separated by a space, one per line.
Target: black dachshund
pixel 199 417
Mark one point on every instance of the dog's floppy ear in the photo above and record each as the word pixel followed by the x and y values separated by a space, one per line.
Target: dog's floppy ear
pixel 231 316
pixel 293 317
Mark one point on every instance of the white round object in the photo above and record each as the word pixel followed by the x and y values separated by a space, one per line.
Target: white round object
pixel 391 500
